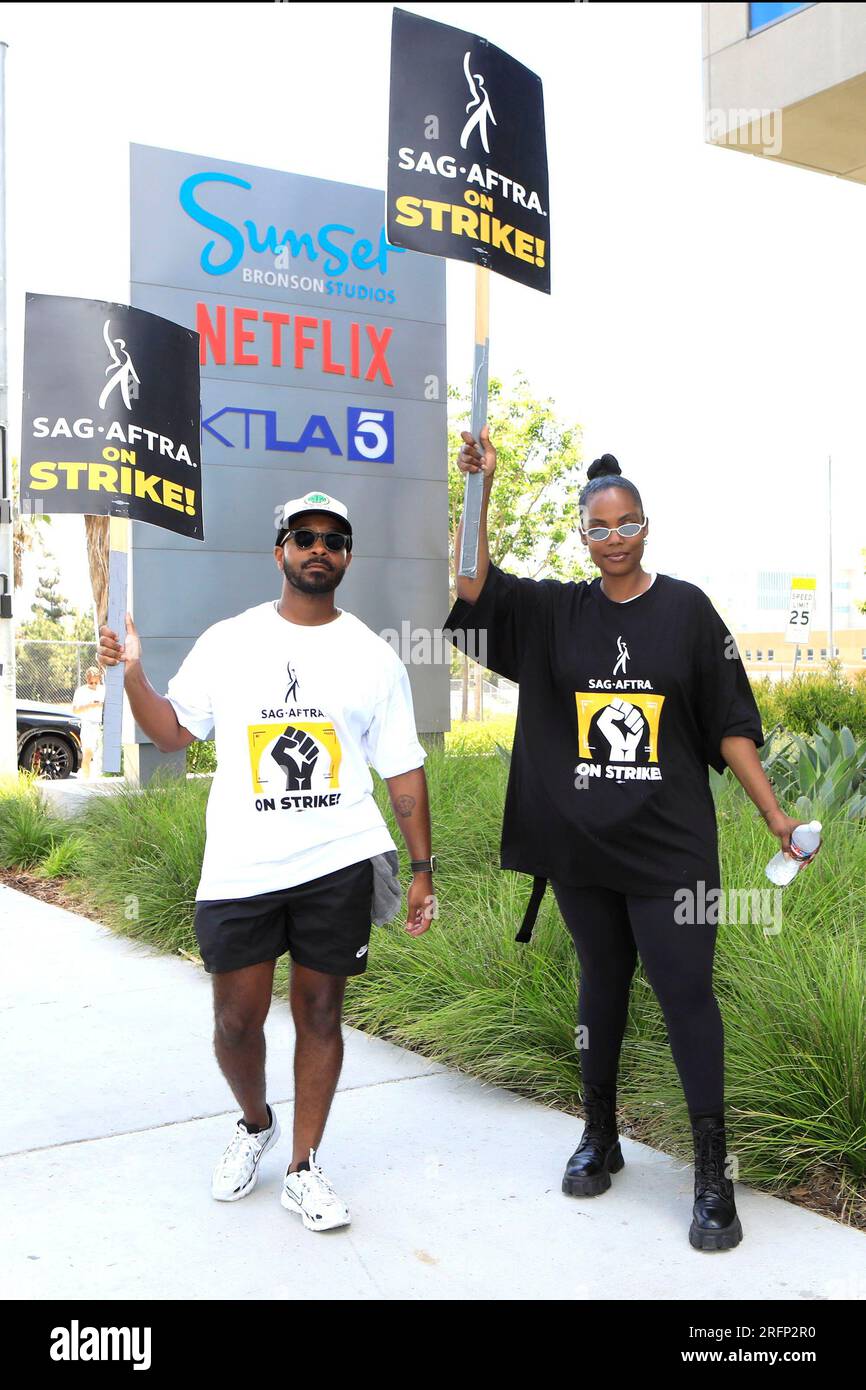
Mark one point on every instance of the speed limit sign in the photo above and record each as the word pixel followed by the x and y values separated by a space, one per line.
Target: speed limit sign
pixel 801 609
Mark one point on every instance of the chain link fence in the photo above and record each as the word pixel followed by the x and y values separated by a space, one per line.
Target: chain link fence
pixel 49 672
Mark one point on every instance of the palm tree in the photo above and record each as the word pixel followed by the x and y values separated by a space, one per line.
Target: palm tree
pixel 96 531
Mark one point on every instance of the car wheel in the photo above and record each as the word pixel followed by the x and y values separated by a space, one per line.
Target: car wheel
pixel 49 756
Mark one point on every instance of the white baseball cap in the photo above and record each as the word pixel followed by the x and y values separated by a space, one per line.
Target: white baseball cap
pixel 310 502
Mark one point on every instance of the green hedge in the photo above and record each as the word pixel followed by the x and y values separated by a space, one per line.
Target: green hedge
pixel 801 701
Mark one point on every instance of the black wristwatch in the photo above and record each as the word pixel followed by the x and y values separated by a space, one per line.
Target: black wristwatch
pixel 424 866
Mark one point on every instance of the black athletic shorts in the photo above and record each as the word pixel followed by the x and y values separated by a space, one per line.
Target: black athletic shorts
pixel 323 924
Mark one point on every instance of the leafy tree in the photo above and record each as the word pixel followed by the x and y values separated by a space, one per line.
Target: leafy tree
pixel 533 514
pixel 40 628
pixel 49 663
pixel 83 628
pixel 27 531
pixel 73 627
pixel 28 537
pixel 48 600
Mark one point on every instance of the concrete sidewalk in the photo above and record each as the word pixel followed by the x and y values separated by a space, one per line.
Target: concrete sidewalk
pixel 115 1114
pixel 66 796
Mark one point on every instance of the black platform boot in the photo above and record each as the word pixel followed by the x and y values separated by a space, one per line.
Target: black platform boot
pixel 715 1224
pixel 598 1154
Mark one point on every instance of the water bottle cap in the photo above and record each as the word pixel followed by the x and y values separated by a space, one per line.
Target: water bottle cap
pixel 815 825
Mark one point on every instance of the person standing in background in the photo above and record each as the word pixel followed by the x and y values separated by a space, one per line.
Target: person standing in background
pixel 87 704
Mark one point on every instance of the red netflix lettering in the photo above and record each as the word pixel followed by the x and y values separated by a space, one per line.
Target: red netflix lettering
pixel 277 321
pixel 302 342
pixel 328 363
pixel 355 349
pixel 244 335
pixel 378 365
pixel 215 338
pixel 313 346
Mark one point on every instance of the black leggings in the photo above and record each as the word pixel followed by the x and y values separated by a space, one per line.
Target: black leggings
pixel 608 930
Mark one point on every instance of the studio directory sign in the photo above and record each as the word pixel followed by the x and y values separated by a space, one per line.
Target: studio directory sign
pixel 111 416
pixel 467 157
pixel 322 362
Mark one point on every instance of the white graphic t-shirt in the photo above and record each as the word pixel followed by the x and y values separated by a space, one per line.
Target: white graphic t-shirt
pixel 298 714
pixel 85 696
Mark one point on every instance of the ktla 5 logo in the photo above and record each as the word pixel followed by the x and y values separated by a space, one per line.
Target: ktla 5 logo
pixel 369 433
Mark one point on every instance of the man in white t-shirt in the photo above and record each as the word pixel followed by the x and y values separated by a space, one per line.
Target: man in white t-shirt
pixel 87 703
pixel 302 696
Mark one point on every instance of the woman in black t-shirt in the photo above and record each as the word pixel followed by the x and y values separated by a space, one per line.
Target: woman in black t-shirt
pixel 630 685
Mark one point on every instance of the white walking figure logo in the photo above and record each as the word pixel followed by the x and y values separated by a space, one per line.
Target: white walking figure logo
pixel 479 106
pixel 623 656
pixel 120 371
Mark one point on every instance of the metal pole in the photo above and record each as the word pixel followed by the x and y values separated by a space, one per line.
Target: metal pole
pixel 112 711
pixel 474 486
pixel 8 726
pixel 830 543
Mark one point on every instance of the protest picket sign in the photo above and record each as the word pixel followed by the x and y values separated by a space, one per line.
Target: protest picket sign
pixel 467 179
pixel 111 426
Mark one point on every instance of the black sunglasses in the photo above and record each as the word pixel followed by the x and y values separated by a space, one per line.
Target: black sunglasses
pixel 304 538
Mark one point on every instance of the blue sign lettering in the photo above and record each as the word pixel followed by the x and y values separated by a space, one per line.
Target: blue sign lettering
pixel 369 433
pixel 359 252
pixel 317 434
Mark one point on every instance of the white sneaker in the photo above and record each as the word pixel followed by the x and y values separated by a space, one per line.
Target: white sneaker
pixel 312 1195
pixel 237 1172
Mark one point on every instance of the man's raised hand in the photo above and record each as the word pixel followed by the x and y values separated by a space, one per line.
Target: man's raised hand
pixel 110 651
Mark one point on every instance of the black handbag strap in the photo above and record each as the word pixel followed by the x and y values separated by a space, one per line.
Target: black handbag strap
pixel 538 886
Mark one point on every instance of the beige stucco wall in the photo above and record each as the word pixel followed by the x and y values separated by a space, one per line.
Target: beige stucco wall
pixel 810 67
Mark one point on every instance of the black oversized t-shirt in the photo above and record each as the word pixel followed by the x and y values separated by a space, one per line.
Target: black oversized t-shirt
pixel 621 708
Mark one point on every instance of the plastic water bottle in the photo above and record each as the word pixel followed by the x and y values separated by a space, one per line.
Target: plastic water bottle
pixel 804 842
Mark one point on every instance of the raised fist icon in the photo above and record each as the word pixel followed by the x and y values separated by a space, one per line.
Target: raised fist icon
pixel 623 726
pixel 298 753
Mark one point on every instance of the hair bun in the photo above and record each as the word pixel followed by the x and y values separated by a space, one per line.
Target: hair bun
pixel 603 467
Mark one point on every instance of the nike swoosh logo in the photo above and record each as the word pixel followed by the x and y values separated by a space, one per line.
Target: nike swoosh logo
pixel 256 1161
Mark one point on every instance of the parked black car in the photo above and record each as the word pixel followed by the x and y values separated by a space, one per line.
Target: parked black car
pixel 49 740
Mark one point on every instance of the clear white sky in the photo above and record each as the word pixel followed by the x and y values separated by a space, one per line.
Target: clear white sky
pixel 706 317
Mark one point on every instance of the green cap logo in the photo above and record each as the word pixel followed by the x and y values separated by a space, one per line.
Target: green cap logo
pixel 316 497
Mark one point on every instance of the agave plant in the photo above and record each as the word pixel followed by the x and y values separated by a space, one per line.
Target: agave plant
pixel 824 776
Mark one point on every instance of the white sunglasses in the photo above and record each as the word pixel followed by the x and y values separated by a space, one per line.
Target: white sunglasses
pixel 601 533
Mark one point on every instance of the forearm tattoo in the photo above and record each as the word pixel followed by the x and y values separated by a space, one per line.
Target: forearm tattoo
pixel 404 806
